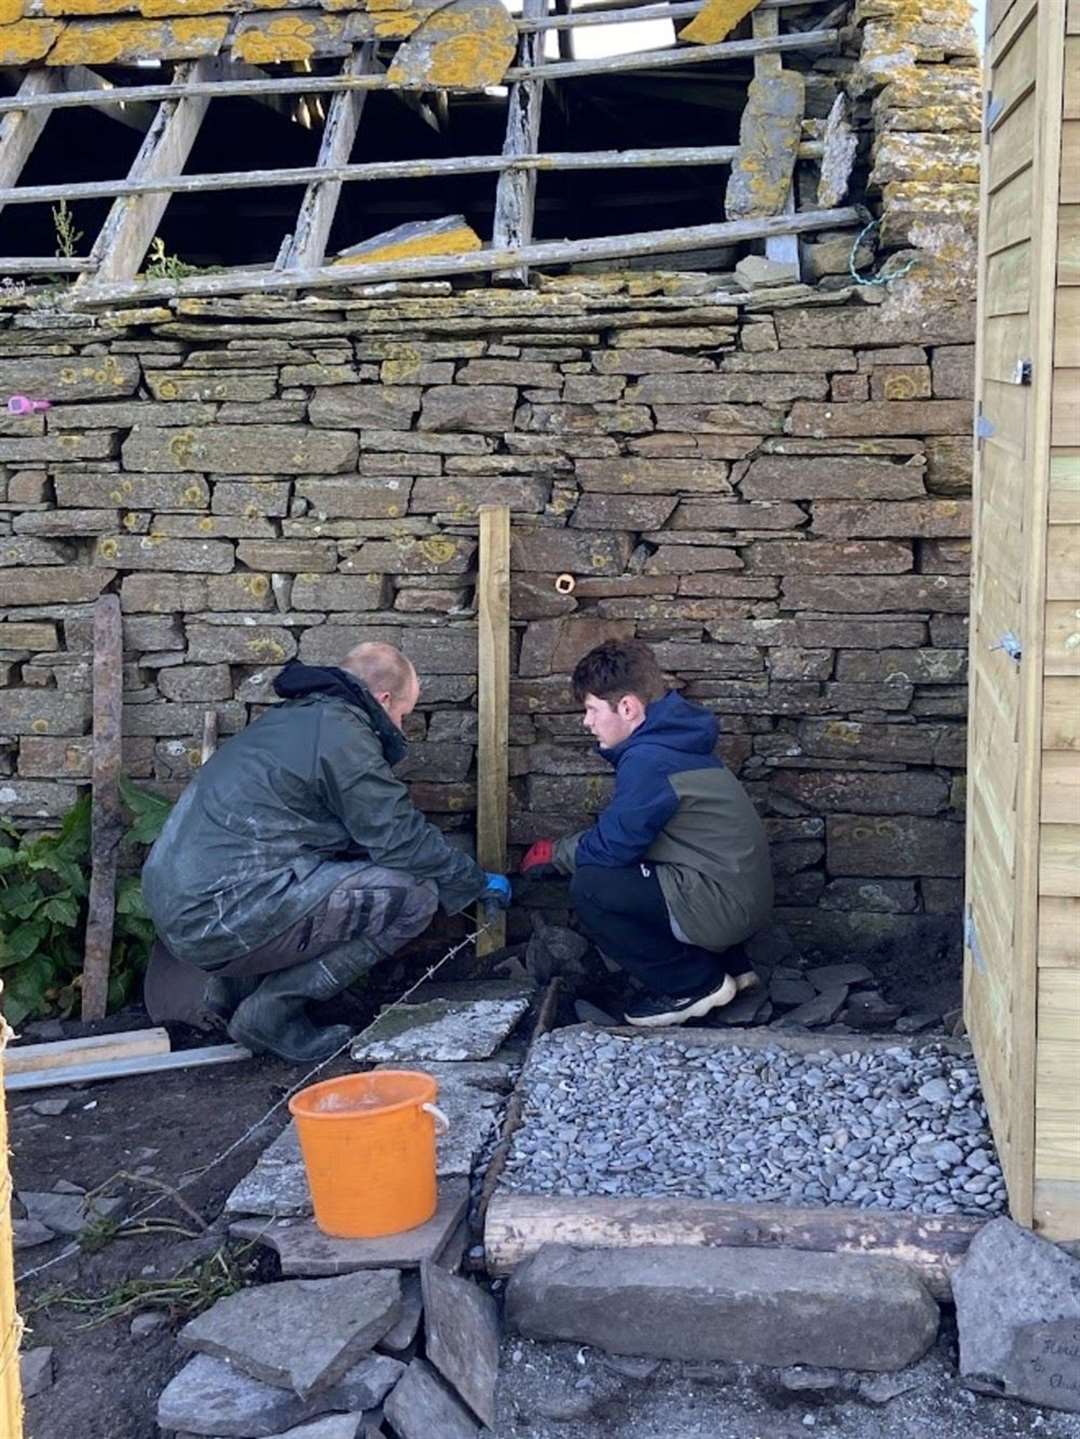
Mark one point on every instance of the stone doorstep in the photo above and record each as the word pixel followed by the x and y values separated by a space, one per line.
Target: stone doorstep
pixel 753 1306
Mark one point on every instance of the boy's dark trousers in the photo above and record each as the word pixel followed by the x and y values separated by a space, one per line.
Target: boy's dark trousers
pixel 623 911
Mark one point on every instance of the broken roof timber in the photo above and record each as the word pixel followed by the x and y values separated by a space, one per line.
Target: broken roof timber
pixel 609 247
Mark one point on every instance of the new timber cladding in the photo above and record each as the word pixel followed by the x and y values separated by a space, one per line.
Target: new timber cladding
pixel 1023 955
pixel 777 499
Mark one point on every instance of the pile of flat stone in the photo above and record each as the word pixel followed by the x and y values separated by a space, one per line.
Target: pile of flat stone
pixel 838 996
pixel 358 1356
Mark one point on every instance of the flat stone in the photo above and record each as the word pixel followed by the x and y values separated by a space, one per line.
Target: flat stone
pixel 787 993
pixel 755 272
pixel 402 1334
pixel 330 1426
pixel 210 1397
pixel 50 1107
pixel 421 1407
pixel 443 1029
pixel 302 1334
pixel 822 1009
pixel 461 1327
pixel 29 1233
pixel 69 1214
pixel 867 1009
pixel 751 1306
pixel 305 1252
pixel 36 1371
pixel 143 1325
pixel 826 976
pixel 1018 1312
pixel 769 134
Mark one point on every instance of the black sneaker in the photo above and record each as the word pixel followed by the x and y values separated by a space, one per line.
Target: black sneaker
pixel 652 1011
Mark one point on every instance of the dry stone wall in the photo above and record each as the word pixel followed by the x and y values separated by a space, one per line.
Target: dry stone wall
pixel 772 491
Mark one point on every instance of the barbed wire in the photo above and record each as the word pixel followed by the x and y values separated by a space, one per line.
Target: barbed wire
pixel 874 279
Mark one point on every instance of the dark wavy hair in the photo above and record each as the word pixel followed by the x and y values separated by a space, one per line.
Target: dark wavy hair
pixel 616 668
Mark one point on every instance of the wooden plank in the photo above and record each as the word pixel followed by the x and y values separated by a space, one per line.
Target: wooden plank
pixel 1063 562
pixel 672 58
pixel 1000 484
pixel 209 736
pixel 20 129
pixel 1070 163
pixel 1014 70
pixel 1060 787
pixel 610 247
pixel 134 117
pixel 1067 327
pixel 122 1068
pixel 11 1325
pixel 379 170
pixel 518 1224
pixel 1059 932
pixel 1059 1013
pixel 96 1049
pixel 1062 638
pixel 1072 18
pixel 1071 107
pixel 1008 281
pixel 1061 713
pixel 1059 860
pixel 1057 1209
pixel 493 630
pixel 107 820
pixel 515 194
pixel 1068 264
pixel 1010 212
pixel 1065 422
pixel 319 205
pixel 1008 407
pixel 1057 1142
pixel 43 265
pixel 1012 145
pixel 1065 487
pixel 132 221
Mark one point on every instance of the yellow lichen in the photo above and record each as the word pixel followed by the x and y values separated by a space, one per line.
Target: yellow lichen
pixel 285 37
pixel 109 42
pixel 12 10
pixel 161 9
pixel 83 7
pixel 437 550
pixel 452 242
pixel 716 20
pixel 26 41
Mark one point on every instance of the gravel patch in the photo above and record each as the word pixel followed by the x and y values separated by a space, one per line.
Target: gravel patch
pixel 891 1128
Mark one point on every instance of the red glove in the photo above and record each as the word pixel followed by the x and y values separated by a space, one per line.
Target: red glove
pixel 541 853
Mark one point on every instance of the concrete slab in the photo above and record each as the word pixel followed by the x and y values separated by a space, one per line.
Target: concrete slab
pixel 305 1252
pixel 421 1407
pixel 461 1327
pixel 302 1334
pixel 210 1397
pixel 444 1029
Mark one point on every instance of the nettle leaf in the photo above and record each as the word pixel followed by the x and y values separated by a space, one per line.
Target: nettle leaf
pixel 150 811
pixel 61 909
pixel 129 897
pixel 20 943
pixel 20 900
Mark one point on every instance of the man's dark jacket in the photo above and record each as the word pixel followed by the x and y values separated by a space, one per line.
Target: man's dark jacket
pixel 278 817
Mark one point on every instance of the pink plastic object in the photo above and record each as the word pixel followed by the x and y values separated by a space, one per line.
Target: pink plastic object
pixel 23 405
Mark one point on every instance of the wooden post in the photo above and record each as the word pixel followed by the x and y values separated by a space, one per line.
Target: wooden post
pixel 107 822
pixel 492 759
pixel 515 194
pixel 765 25
pixel 11 1408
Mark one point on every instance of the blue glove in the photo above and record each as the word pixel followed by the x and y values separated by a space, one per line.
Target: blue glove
pixel 496 892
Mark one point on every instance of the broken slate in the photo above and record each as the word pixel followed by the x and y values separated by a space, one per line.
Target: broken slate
pixel 422 1407
pixel 210 1397
pixel 401 1335
pixel 330 1426
pixel 1018 1313
pixel 462 1331
pixel 443 1029
pixel 305 1252
pixel 828 976
pixel 822 1009
pixel 302 1334
pixel 69 1213
pixel 36 1371
pixel 28 1233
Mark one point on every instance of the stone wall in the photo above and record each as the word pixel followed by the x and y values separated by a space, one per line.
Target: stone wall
pixel 770 490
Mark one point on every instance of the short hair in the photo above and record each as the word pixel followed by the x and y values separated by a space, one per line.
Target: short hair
pixel 616 668
pixel 384 669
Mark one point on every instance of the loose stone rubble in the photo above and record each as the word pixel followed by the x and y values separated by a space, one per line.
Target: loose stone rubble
pixel 888 1128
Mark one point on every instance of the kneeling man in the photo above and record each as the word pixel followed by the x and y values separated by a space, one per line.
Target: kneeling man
pixel 675 872
pixel 295 860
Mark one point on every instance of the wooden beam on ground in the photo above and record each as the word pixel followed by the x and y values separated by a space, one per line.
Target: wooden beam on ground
pixel 107 821
pixel 121 1068
pixel 96 1049
pixel 515 194
pixel 376 170
pixel 11 1326
pixel 132 223
pixel 319 205
pixel 643 60
pixel 19 129
pixel 559 252
pixel 517 1224
pixel 492 754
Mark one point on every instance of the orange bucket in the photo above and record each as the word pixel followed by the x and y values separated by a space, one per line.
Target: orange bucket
pixel 368 1142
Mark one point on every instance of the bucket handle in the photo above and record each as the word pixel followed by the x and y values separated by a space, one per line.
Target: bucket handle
pixel 442 1124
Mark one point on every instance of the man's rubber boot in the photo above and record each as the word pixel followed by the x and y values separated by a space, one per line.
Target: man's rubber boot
pixel 220 999
pixel 274 1019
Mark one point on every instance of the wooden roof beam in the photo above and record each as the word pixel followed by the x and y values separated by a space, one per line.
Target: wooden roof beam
pixel 515 194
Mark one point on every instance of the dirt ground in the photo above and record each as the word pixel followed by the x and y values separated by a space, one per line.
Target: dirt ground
pixel 107 1379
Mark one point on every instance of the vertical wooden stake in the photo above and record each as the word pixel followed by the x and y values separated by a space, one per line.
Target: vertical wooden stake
pixel 11 1408
pixel 107 823
pixel 492 760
